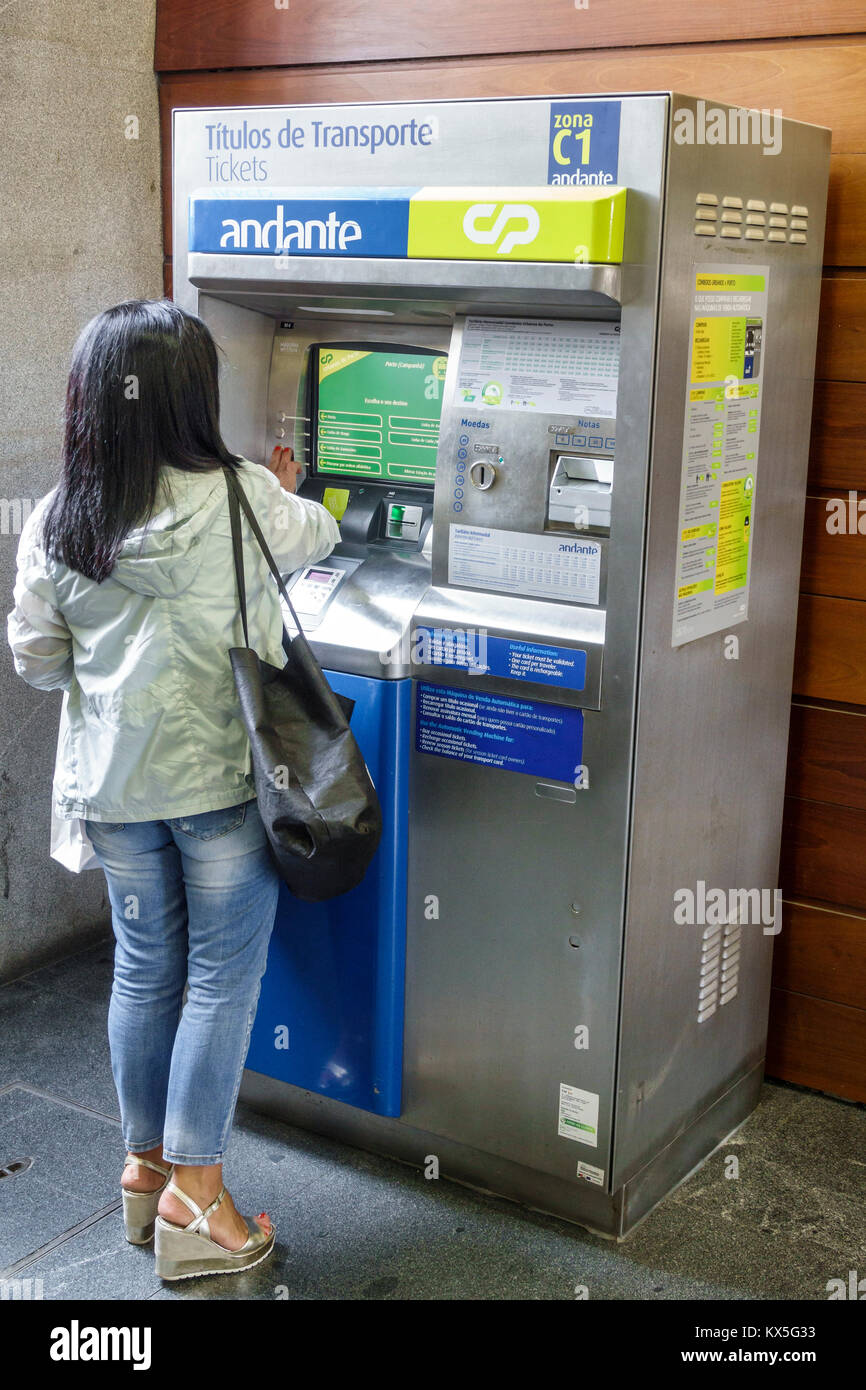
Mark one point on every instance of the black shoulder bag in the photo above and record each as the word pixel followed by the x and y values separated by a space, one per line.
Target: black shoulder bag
pixel 315 795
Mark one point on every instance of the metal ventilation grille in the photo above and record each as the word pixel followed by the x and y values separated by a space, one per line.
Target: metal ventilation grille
pixel 729 973
pixel 708 982
pixel 757 223
pixel 718 982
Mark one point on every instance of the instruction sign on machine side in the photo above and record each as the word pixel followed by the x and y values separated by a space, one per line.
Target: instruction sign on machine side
pixel 481 654
pixel 720 450
pixel 500 732
pixel 578 1119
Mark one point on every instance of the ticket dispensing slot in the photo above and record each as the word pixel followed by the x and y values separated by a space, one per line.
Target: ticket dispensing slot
pixel 580 492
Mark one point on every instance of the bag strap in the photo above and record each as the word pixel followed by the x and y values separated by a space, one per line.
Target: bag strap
pixel 237 497
pixel 238 552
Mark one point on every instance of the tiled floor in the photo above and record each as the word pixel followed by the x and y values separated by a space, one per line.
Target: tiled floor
pixel 353 1226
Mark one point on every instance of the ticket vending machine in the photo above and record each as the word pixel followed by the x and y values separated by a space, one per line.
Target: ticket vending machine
pixel 569 643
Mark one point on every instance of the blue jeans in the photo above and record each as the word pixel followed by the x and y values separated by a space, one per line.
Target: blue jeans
pixel 193 902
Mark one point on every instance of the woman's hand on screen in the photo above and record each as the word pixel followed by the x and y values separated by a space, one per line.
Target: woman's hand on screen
pixel 288 470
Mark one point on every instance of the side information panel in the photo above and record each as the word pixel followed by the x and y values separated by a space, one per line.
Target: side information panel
pixel 720 450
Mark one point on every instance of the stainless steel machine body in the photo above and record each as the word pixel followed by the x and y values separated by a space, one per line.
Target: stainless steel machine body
pixel 561 1046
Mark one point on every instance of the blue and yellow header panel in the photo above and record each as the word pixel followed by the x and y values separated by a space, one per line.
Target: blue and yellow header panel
pixel 565 224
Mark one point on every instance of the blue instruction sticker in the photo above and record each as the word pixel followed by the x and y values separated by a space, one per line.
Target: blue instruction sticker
pixel 583 147
pixel 474 651
pixel 497 731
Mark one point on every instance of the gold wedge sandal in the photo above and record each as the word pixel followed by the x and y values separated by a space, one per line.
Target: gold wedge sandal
pixel 182 1252
pixel 139 1208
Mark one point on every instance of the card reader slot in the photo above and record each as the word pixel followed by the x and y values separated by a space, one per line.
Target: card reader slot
pixel 402 522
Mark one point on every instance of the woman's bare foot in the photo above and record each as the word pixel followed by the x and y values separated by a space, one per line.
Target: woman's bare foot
pixel 227 1227
pixel 138 1179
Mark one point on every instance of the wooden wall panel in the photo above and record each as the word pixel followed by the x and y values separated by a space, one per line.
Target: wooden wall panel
pixel 837 459
pixel 827 755
pixel 842 328
pixel 822 853
pixel 824 955
pixel 830 660
pixel 834 561
pixel 845 241
pixel 817 1043
pixel 195 34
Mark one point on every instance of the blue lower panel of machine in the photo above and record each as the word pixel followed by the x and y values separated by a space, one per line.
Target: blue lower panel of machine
pixel 330 1016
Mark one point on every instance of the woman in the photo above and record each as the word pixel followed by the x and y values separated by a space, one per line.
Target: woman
pixel 125 598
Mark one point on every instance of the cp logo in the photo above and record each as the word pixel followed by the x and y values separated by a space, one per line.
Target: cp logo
pixel 509 212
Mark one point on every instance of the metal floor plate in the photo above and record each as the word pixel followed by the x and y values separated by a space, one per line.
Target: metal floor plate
pixel 62 1169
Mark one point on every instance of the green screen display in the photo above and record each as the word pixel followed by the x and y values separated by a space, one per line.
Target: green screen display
pixel 377 413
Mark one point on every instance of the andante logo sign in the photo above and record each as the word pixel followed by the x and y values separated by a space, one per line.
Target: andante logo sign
pixel 284 225
pixel 289 234
pixel 573 548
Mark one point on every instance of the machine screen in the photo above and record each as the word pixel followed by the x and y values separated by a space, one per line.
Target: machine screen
pixel 376 412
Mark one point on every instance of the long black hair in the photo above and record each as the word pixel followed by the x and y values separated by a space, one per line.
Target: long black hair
pixel 143 391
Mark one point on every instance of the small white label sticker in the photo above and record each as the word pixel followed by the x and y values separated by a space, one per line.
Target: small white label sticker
pixel 586 1170
pixel 578 1115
